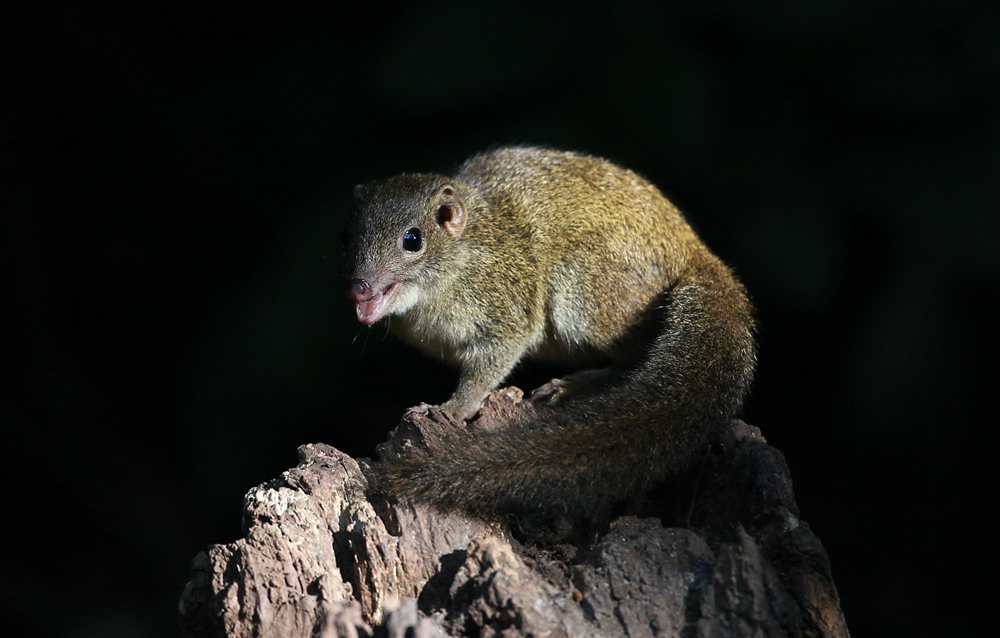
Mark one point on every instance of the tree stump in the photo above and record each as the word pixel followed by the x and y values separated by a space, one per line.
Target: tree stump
pixel 717 551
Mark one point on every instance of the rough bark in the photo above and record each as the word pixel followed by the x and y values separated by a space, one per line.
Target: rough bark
pixel 718 551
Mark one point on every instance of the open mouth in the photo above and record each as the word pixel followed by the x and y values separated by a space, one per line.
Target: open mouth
pixel 371 310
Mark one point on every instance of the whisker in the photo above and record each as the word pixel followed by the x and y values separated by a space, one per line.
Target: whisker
pixel 368 333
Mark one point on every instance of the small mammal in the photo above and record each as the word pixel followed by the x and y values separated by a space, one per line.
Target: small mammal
pixel 560 256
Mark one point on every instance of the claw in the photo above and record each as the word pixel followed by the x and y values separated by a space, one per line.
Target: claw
pixel 551 393
pixel 422 408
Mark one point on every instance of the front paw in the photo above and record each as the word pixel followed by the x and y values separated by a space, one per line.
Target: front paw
pixel 463 411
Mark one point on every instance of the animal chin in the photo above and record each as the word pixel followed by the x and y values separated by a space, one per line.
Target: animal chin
pixel 372 310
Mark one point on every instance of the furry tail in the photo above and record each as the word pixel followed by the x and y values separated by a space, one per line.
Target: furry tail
pixel 594 450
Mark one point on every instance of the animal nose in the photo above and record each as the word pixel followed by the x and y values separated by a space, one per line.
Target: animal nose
pixel 358 290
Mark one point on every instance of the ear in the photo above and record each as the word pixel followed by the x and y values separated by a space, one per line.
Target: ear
pixel 449 211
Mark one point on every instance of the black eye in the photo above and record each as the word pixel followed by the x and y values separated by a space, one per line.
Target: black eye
pixel 412 242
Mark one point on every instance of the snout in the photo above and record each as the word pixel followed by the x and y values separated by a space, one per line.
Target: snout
pixel 358 290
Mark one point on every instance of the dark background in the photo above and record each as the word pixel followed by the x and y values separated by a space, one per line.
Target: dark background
pixel 173 181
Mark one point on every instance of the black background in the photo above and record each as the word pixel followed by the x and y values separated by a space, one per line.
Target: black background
pixel 174 179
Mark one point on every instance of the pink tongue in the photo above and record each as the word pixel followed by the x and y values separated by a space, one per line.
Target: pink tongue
pixel 370 311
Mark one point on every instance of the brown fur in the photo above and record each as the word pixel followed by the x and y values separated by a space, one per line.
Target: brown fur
pixel 564 257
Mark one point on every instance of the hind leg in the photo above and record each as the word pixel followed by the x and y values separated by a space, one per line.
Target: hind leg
pixel 579 383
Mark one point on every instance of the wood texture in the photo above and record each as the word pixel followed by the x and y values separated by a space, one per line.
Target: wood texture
pixel 718 551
